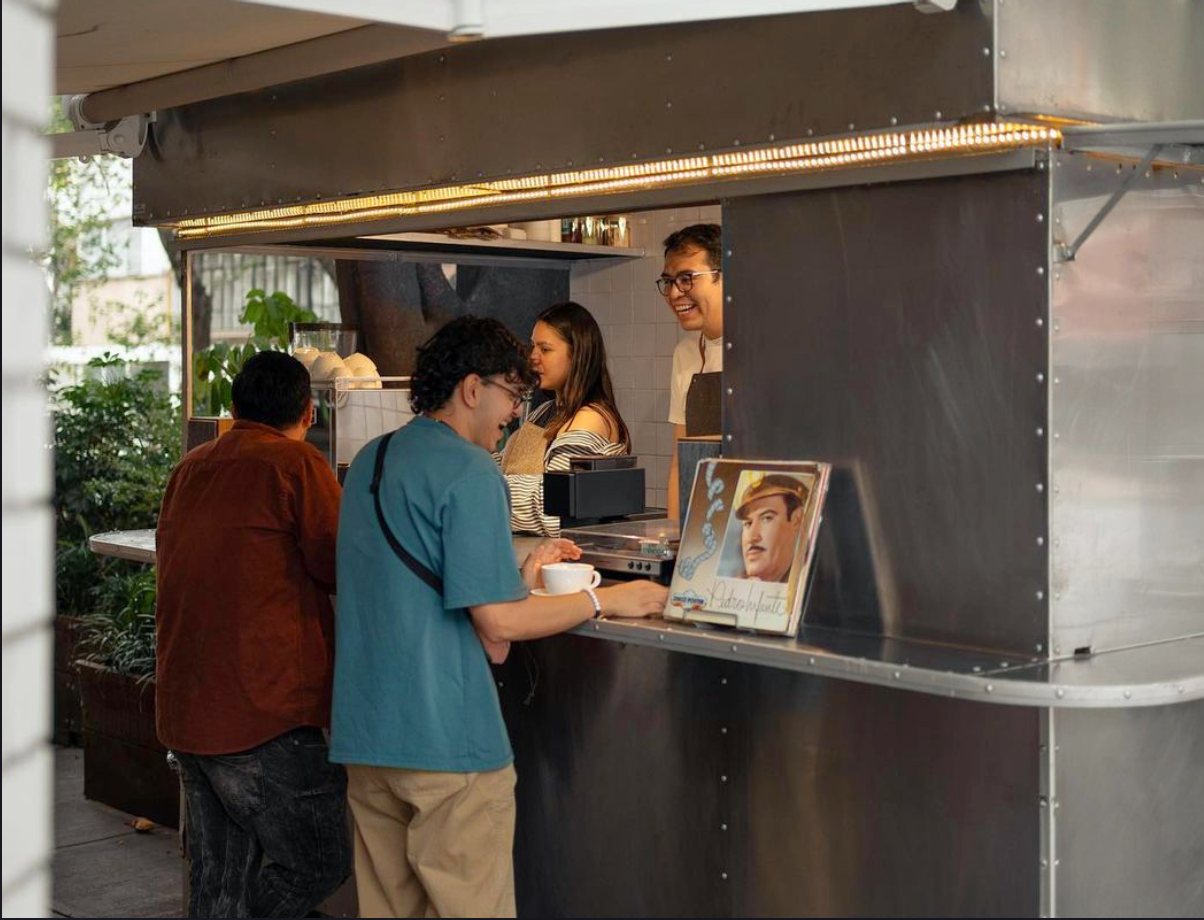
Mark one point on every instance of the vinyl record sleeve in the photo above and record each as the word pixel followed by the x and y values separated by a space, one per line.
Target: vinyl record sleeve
pixel 748 544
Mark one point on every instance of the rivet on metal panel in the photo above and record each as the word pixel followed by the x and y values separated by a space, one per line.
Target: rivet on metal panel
pixel 723 827
pixel 723 730
pixel 1002 108
pixel 1041 166
pixel 735 648
pixel 441 97
pixel 729 346
pixel 736 142
pixel 852 126
pixel 668 57
pixel 1040 378
pixel 723 778
pixel 729 437
pixel 1128 695
pixel 723 680
pixel 811 131
pixel 500 684
pixel 1059 693
pixel 1040 432
pixel 1040 541
pixel 1039 647
pixel 728 298
pixel 729 391
pixel 1040 269
pixel 990 688
pixel 1040 487
pixel 987 107
pixel 668 150
pixel 1057 648
pixel 1045 864
pixel 938 114
pixel 702 146
pixel 480 174
pixel 1148 174
pixel 1178 688
pixel 1040 218
pixel 1057 380
pixel 1002 53
pixel 723 875
pixel 986 52
pixel 660 638
pixel 635 156
pixel 597 627
pixel 1040 597
pixel 1057 490
pixel 1057 276
pixel 810 661
pixel 1042 801
pixel 774 137
pixel 1088 167
pixel 893 120
pixel 1040 321
pixel 729 253
pixel 443 59
pixel 896 675
pixel 976 668
pixel 1057 436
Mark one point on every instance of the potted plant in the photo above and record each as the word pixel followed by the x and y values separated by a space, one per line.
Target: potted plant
pixel 116 439
pixel 124 764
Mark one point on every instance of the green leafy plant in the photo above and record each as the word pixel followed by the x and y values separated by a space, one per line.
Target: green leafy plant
pixel 214 368
pixel 116 440
pixel 120 632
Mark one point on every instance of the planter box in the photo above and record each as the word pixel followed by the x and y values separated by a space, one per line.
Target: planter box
pixel 68 716
pixel 125 766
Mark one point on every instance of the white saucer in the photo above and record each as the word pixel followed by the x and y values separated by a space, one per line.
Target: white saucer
pixel 544 592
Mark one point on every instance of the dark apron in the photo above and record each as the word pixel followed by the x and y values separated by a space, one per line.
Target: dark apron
pixel 704 407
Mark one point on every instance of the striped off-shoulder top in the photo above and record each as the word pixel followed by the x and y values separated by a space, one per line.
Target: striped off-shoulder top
pixel 526 489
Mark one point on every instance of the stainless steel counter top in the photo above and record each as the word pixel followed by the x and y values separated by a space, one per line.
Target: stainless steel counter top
pixel 1144 675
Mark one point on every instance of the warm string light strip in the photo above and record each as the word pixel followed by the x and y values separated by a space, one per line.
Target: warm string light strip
pixel 838 153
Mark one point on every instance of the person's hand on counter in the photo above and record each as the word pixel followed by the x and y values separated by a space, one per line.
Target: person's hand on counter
pixel 633 599
pixel 549 551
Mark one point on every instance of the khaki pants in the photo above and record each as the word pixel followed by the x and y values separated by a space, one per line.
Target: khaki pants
pixel 433 844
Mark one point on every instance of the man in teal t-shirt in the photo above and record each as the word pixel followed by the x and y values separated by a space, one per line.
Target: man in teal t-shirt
pixel 416 717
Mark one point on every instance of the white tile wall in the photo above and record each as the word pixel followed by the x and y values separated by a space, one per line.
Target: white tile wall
pixel 640 333
pixel 28 30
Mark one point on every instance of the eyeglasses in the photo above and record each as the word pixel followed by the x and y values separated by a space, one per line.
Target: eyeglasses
pixel 683 281
pixel 517 398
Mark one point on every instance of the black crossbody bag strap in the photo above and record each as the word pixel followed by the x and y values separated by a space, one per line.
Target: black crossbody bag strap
pixel 435 582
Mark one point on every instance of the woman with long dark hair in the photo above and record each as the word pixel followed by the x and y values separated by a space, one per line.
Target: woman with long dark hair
pixel 569 356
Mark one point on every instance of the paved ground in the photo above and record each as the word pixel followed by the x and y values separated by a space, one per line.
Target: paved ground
pixel 102 866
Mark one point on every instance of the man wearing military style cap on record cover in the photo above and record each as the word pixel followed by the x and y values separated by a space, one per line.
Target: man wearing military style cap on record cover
pixel 771 515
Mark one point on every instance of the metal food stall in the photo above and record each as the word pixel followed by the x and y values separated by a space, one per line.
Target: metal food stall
pixel 964 262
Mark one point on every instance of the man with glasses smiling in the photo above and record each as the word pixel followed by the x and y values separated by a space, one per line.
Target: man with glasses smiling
pixel 692 285
pixel 427 577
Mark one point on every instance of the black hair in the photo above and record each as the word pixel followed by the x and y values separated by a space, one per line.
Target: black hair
pixel 272 388
pixel 468 345
pixel 707 237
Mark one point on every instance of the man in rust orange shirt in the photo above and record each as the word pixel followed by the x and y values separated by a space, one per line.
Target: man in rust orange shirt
pixel 245 555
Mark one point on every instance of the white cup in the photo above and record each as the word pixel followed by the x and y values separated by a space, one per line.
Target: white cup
pixel 567 577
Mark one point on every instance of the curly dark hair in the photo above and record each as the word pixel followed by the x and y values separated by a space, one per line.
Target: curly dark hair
pixel 468 345
pixel 707 237
pixel 272 388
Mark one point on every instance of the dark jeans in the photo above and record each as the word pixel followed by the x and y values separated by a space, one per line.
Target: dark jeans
pixel 267 828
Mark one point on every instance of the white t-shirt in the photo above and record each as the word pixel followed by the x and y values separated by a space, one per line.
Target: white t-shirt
pixel 686 363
